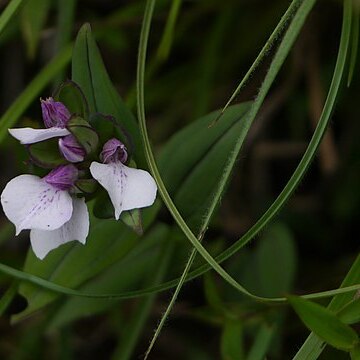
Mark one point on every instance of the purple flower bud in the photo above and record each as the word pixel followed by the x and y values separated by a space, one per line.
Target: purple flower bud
pixel 63 177
pixel 55 114
pixel 71 149
pixel 114 150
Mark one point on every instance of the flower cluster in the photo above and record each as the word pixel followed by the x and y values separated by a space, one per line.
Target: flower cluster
pixel 53 207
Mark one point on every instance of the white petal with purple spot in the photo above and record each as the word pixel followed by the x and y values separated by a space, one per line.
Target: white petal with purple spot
pixel 30 203
pixel 31 136
pixel 128 188
pixel 77 228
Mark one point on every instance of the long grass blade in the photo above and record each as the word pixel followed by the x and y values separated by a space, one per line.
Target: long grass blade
pixel 9 12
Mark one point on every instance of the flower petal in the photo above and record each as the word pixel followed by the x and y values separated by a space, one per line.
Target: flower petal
pixel 31 136
pixel 77 228
pixel 128 188
pixel 30 203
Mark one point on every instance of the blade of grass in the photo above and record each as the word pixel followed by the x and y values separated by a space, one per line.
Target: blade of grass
pixel 278 60
pixel 167 37
pixel 354 43
pixel 8 296
pixel 33 90
pixel 49 285
pixel 9 12
pixel 65 22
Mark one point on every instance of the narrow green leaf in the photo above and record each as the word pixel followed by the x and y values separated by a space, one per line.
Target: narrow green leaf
pixel 168 34
pixel 33 17
pixel 324 324
pixel 354 43
pixel 212 293
pixel 8 296
pixel 276 252
pixel 89 72
pixel 262 343
pixel 9 12
pixel 232 340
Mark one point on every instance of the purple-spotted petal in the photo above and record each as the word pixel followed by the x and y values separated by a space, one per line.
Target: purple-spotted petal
pixel 55 113
pixel 77 228
pixel 128 188
pixel 31 203
pixel 31 136
pixel 71 149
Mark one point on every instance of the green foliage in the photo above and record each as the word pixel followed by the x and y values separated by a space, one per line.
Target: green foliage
pixel 194 51
pixel 325 324
pixel 33 17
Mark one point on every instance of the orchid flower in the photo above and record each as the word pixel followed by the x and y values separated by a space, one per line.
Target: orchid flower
pixel 128 188
pixel 47 207
pixel 55 116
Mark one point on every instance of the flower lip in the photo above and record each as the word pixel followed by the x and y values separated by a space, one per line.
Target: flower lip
pixel 63 177
pixel 71 149
pixel 113 151
pixel 55 113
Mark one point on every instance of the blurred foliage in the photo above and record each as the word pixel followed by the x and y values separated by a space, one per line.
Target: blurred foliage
pixel 199 50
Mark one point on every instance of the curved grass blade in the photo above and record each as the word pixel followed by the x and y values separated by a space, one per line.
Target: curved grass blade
pixel 167 38
pixel 278 60
pixel 354 43
pixel 32 91
pixel 9 12
pixel 59 289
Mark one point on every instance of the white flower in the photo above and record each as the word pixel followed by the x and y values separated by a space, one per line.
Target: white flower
pixel 46 207
pixel 55 116
pixel 128 188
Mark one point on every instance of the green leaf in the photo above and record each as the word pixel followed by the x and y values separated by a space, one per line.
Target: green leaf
pixel 276 261
pixel 262 343
pixel 89 72
pixel 324 324
pixel 70 94
pixel 232 340
pixel 9 12
pixel 212 293
pixel 350 313
pixel 134 267
pixel 84 133
pixel 192 162
pixel 33 18
pixel 355 353
pixel 46 154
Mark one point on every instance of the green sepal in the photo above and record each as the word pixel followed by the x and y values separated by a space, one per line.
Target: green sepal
pixel 107 127
pixel 84 134
pixel 104 209
pixel 132 218
pixel 86 186
pixel 46 154
pixel 71 95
